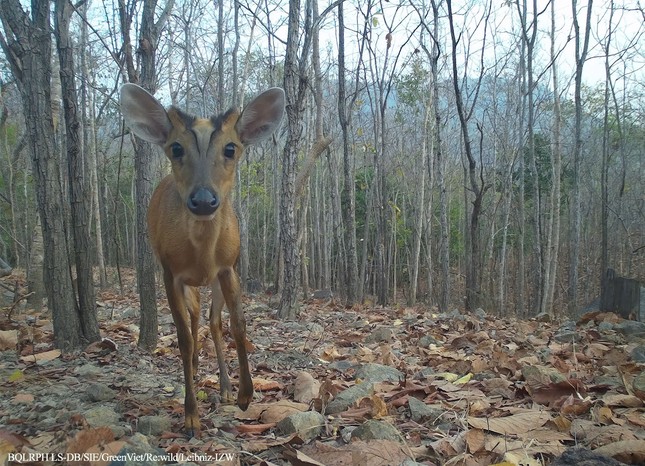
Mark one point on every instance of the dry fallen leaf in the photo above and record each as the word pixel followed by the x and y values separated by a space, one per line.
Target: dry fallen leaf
pixel 521 422
pixel 8 339
pixel 45 356
pixel 306 388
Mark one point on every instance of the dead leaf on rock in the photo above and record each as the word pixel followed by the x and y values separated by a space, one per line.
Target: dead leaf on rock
pixel 263 385
pixel 516 423
pixel 627 451
pixel 620 400
pixel 45 356
pixel 8 339
pixel 475 440
pixel 372 452
pixel 26 398
pixel 88 438
pixel 306 388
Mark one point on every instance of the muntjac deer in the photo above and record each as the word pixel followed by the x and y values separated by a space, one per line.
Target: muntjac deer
pixel 191 223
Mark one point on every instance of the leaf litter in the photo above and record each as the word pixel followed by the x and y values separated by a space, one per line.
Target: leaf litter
pixel 408 384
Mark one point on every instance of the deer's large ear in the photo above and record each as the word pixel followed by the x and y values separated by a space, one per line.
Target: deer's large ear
pixel 144 115
pixel 261 117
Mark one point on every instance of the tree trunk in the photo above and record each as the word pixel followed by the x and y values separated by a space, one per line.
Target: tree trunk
pixel 576 215
pixel 294 90
pixel 348 195
pixel 553 232
pixel 28 50
pixel 144 153
pixel 78 183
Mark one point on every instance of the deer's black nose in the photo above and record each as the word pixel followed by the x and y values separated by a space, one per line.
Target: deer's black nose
pixel 203 201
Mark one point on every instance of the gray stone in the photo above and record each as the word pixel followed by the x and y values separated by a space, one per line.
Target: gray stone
pixel 101 416
pixel 638 354
pixel 426 340
pixel 421 412
pixel 153 425
pixel 323 294
pixel 376 430
pixel 542 375
pixel 567 332
pixel 631 328
pixel 88 371
pixel 307 425
pixel 639 383
pixel 605 326
pixel 315 329
pixel 480 313
pixel 379 373
pixel 348 397
pixel 138 452
pixel 544 317
pixel 340 366
pixel 379 334
pixel 99 392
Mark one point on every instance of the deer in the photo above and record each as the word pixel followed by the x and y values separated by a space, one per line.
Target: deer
pixel 192 225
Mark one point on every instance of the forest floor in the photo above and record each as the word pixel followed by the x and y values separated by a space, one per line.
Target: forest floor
pixel 358 386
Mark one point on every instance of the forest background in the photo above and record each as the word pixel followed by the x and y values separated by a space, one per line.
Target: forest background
pixel 478 154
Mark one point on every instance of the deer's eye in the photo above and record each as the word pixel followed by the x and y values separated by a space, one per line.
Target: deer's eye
pixel 176 150
pixel 229 150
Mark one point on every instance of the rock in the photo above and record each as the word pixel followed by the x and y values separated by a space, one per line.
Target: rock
pixel 638 354
pixel 541 375
pixel 340 366
pixel 153 425
pixel 584 457
pixel 348 397
pixel 99 392
pixel 639 384
pixel 379 334
pixel 138 452
pixel 421 412
pixel 376 430
pixel 88 371
pixel 426 340
pixel 323 294
pixel 105 416
pixel 544 317
pixel 480 313
pixel 605 326
pixel 315 330
pixel 631 328
pixel 424 373
pixel 378 373
pixel 567 333
pixel 307 425
pixel 101 416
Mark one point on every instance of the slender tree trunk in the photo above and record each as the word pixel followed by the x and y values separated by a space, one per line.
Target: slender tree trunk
pixel 78 182
pixel 28 50
pixel 553 238
pixel 476 185
pixel 294 90
pixel 581 48
pixel 90 148
pixel 144 179
pixel 348 195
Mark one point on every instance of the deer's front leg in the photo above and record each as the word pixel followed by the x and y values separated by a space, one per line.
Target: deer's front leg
pixel 230 285
pixel 225 390
pixel 177 302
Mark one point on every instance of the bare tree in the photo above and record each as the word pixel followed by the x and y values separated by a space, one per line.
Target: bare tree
pixel 582 48
pixel 476 176
pixel 28 48
pixel 144 154
pixel 78 179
